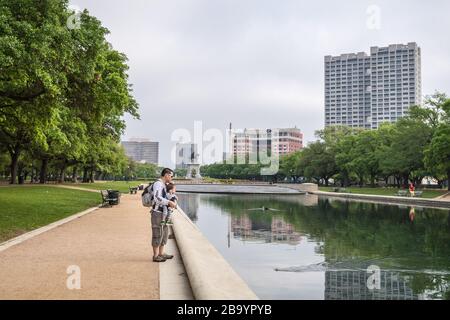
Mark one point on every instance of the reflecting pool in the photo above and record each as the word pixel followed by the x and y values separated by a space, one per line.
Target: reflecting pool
pixel 309 247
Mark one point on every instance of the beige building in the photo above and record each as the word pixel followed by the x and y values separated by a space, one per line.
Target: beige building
pixel 253 141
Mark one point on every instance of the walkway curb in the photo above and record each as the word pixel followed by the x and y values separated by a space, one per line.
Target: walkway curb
pixel 431 203
pixel 26 236
pixel 238 189
pixel 210 275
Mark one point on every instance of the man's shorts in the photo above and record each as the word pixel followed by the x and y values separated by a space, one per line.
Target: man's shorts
pixel 160 233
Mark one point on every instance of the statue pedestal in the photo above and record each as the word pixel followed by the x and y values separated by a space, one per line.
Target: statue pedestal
pixel 193 171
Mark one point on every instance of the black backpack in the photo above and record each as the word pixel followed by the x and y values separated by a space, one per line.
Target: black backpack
pixel 147 196
pixel 148 199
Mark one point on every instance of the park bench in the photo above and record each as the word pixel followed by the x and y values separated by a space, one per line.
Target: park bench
pixel 402 193
pixel 110 197
pixel 341 190
pixel 133 190
pixel 418 194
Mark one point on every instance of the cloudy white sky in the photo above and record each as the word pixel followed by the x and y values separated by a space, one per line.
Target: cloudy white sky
pixel 255 63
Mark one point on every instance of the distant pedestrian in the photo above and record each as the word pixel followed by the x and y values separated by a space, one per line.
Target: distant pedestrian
pixel 412 189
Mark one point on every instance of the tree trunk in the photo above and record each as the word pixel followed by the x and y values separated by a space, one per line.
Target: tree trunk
pixel 32 174
pixel 406 180
pixel 418 181
pixel 85 175
pixel 448 179
pixel 398 182
pixel 43 173
pixel 62 173
pixel 91 176
pixel 74 174
pixel 20 173
pixel 14 165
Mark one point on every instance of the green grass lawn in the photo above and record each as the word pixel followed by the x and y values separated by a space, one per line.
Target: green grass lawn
pixel 23 209
pixel 122 186
pixel 386 191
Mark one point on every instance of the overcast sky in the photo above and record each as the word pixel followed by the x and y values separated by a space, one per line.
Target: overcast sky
pixel 255 63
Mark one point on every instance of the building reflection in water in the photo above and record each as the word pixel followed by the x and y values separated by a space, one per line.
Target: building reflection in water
pixel 278 231
pixel 352 285
pixel 189 204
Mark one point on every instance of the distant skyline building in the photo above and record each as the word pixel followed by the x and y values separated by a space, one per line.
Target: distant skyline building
pixel 253 141
pixel 366 90
pixel 142 150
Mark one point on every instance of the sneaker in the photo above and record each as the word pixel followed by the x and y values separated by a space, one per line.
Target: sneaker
pixel 169 223
pixel 159 259
pixel 166 256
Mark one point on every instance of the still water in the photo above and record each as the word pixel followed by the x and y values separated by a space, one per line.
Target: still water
pixel 309 247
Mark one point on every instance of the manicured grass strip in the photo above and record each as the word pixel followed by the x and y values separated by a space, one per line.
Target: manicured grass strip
pixel 23 209
pixel 428 194
pixel 122 186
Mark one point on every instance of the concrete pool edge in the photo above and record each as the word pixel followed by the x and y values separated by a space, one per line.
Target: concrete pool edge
pixel 428 203
pixel 245 193
pixel 238 189
pixel 211 277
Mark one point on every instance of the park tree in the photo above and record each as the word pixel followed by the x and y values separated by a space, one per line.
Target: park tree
pixel 432 112
pixel 344 156
pixel 34 58
pixel 4 162
pixel 65 140
pixel 318 162
pixel 404 156
pixel 364 158
pixel 290 166
pixel 338 141
pixel 437 154
pixel 59 86
pixel 181 173
pixel 149 171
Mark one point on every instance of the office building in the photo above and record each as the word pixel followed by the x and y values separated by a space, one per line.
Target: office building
pixel 254 141
pixel 364 90
pixel 142 150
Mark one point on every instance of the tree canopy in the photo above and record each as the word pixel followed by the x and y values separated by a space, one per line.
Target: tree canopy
pixel 63 91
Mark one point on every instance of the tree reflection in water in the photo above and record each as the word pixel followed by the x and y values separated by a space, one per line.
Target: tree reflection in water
pixel 410 245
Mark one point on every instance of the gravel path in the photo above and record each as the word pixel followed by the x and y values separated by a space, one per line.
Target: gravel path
pixel 111 247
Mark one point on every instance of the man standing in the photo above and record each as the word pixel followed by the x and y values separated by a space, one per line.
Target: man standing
pixel 160 232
